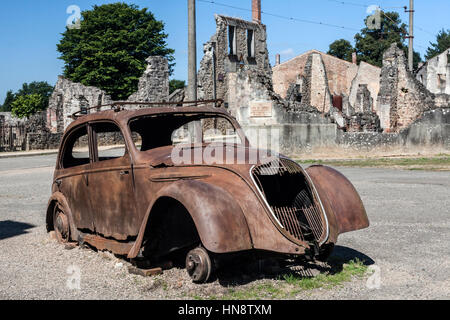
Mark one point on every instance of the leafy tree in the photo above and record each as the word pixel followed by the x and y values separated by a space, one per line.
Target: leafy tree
pixel 7 104
pixel 26 105
pixel 42 88
pixel 110 47
pixel 342 49
pixel 371 43
pixel 442 43
pixel 176 84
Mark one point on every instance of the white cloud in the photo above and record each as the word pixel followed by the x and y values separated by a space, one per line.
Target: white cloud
pixel 287 52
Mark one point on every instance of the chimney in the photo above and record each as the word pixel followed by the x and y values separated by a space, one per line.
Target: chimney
pixel 256 10
pixel 354 59
pixel 277 59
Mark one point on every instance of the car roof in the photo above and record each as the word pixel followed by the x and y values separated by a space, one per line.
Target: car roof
pixel 124 115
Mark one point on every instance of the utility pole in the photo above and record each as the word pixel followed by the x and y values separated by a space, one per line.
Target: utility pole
pixel 192 52
pixel 195 128
pixel 411 35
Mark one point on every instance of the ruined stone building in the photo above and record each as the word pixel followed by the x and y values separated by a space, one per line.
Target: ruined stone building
pixel 316 99
pixel 402 99
pixel 435 73
pixel 323 81
pixel 69 97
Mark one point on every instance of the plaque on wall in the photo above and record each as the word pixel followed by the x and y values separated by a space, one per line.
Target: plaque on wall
pixel 260 109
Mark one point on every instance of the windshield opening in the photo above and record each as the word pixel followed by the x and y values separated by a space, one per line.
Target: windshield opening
pixel 155 131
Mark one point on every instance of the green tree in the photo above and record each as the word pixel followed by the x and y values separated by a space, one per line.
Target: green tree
pixel 176 84
pixel 27 105
pixel 342 49
pixel 442 43
pixel 41 88
pixel 110 47
pixel 370 44
pixel 7 104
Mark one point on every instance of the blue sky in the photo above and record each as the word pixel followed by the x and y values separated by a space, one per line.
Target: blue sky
pixel 30 29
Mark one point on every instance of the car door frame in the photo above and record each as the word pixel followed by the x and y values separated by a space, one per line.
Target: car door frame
pixel 121 225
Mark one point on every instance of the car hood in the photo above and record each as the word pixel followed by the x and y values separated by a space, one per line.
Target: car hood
pixel 230 155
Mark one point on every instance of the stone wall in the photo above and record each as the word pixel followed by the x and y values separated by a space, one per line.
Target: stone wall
pixel 154 83
pixel 218 57
pixel 435 73
pixel 402 99
pixel 69 97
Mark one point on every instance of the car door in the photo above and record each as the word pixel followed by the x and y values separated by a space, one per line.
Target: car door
pixel 75 166
pixel 111 185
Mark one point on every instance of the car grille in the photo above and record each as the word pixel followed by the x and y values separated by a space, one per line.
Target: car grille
pixel 287 192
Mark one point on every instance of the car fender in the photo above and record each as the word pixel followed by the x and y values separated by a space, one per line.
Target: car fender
pixel 342 203
pixel 220 222
pixel 59 197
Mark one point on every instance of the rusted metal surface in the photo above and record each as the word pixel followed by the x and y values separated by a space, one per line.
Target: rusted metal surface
pixel 143 202
pixel 101 243
pixel 344 205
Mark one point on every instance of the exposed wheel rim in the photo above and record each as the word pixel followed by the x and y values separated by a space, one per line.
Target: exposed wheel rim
pixel 198 265
pixel 60 224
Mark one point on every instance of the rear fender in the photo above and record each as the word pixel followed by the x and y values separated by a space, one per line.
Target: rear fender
pixel 218 218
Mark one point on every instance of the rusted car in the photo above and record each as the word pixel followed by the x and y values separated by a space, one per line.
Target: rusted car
pixel 185 181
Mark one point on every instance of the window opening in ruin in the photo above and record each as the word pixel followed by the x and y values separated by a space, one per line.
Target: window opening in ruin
pixel 84 105
pixel 250 43
pixel 232 40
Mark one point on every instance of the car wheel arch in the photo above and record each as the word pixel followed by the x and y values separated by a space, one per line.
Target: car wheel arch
pixel 218 218
pixel 58 197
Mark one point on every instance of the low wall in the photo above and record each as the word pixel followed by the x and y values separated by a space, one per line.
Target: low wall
pixel 431 130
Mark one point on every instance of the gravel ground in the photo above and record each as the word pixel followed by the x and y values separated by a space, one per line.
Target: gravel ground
pixel 407 244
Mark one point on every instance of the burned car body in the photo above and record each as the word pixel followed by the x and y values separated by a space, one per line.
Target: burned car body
pixel 185 179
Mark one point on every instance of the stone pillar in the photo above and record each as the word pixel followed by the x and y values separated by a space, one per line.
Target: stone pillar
pixel 354 59
pixel 256 11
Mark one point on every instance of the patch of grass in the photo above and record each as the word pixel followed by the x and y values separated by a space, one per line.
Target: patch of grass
pixel 354 268
pixel 289 285
pixel 432 163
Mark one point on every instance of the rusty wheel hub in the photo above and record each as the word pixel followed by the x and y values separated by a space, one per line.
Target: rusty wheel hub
pixel 198 265
pixel 61 225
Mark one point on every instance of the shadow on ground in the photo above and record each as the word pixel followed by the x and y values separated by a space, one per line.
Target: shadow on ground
pixel 9 229
pixel 247 272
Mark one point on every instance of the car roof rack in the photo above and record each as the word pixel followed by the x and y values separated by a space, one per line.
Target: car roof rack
pixel 119 105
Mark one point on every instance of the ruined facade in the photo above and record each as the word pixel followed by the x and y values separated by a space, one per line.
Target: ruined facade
pixel 325 76
pixel 435 73
pixel 402 99
pixel 69 97
pixel 235 65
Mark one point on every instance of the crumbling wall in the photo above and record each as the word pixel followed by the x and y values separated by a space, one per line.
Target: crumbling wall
pixel 315 90
pixel 368 75
pixel 402 99
pixel 435 73
pixel 340 73
pixel 69 97
pixel 154 83
pixel 217 56
pixel 38 135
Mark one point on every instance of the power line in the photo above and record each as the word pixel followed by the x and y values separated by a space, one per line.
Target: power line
pixel 281 16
